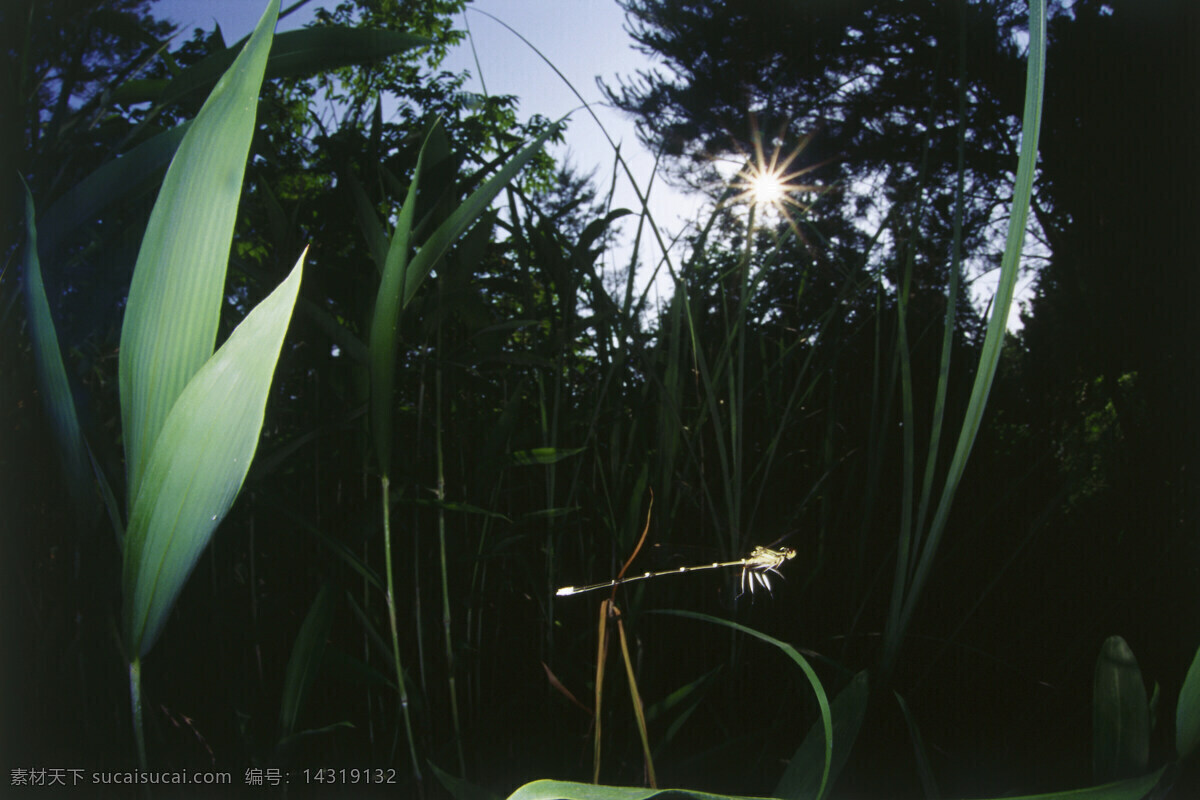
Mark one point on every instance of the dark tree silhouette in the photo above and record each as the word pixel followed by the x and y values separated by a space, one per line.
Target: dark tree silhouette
pixel 1112 329
pixel 876 87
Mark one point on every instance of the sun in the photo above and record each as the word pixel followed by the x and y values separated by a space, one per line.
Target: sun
pixel 766 189
pixel 768 182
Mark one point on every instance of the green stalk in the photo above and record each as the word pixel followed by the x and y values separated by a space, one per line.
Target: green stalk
pixel 135 702
pixel 736 404
pixel 441 497
pixel 391 605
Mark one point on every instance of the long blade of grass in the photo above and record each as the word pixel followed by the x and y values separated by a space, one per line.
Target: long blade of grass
pixel 802 662
pixel 386 319
pixel 928 783
pixel 198 465
pixel 989 358
pixel 52 375
pixel 799 781
pixel 638 709
pixel 178 283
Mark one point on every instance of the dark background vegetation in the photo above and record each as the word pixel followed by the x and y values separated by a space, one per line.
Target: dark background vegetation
pixel 1076 519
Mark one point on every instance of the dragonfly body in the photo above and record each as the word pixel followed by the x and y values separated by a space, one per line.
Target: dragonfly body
pixel 754 570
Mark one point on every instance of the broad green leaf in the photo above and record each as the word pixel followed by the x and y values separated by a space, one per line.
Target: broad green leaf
pixel 464 216
pixel 802 778
pixel 178 282
pixel 1120 716
pixel 567 790
pixel 542 455
pixel 52 375
pixel 386 319
pixel 1187 712
pixel 305 660
pixel 297 54
pixel 198 465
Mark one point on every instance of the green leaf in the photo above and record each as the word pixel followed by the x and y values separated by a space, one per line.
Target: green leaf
pixel 1187 712
pixel 198 465
pixel 136 172
pixel 305 660
pixel 175 299
pixel 682 703
pixel 386 319
pixel 542 455
pixel 51 373
pixel 900 614
pixel 464 216
pixel 368 219
pixel 1120 716
pixel 928 783
pixel 547 513
pixel 307 732
pixel 297 54
pixel 567 790
pixel 802 778
pixel 809 672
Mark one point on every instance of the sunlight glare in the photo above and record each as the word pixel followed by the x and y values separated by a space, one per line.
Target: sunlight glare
pixel 767 189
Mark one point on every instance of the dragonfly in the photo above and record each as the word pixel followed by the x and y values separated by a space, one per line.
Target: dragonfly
pixel 762 560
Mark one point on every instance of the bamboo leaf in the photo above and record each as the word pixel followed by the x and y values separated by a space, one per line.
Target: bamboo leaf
pixel 198 465
pixel 52 375
pixel 305 660
pixel 175 298
pixel 1187 712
